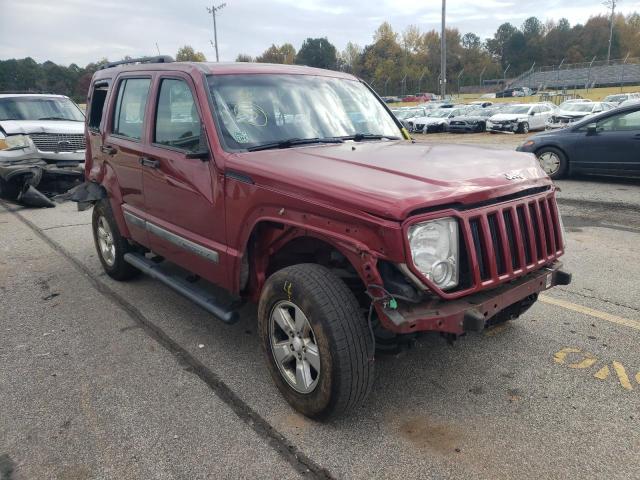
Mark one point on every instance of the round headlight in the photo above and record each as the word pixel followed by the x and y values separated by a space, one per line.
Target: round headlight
pixel 434 250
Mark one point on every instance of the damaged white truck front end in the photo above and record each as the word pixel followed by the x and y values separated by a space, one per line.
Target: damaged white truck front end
pixel 42 147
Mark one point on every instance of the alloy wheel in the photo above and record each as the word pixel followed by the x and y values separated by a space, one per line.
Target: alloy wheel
pixel 105 241
pixel 294 347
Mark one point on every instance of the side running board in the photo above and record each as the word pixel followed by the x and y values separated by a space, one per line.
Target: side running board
pixel 197 295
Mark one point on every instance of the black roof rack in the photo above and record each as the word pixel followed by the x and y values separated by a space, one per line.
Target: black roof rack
pixel 156 59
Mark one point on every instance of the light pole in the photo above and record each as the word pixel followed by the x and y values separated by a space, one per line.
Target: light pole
pixel 611 4
pixel 212 10
pixel 481 74
pixel 459 75
pixel 443 52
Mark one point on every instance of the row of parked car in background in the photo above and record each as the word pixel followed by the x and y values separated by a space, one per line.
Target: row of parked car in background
pixel 483 115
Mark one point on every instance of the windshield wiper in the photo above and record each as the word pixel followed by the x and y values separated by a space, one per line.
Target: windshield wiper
pixel 292 142
pixel 59 118
pixel 358 137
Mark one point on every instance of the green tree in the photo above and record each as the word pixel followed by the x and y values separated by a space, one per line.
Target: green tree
pixel 188 54
pixel 286 54
pixel 242 57
pixel 317 52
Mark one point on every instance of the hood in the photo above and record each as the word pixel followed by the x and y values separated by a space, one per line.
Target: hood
pixel 499 117
pixel 391 179
pixel 13 127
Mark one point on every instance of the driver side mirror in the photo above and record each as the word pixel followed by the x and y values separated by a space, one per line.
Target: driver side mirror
pixel 592 129
pixel 201 154
pixel 532 113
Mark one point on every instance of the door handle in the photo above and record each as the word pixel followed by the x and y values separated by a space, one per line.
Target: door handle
pixel 108 149
pixel 147 162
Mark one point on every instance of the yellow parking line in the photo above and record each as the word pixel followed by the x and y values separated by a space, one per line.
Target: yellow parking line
pixel 622 375
pixel 590 311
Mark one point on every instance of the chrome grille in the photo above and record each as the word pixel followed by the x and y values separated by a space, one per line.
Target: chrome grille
pixel 58 142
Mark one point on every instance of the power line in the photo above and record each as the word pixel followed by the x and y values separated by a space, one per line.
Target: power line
pixel 213 10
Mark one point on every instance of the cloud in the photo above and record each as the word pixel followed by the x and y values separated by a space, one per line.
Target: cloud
pixel 82 31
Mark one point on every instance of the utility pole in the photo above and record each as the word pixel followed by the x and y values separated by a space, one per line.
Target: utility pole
pixel 443 51
pixel 612 5
pixel 212 10
pixel 158 48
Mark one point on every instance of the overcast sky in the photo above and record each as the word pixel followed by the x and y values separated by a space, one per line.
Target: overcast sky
pixel 83 31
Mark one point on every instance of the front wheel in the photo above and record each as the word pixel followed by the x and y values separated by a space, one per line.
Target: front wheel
pixel 316 341
pixel 523 127
pixel 553 162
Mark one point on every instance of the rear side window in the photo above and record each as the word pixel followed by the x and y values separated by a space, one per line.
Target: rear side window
pixel 130 106
pixel 177 120
pixel 97 105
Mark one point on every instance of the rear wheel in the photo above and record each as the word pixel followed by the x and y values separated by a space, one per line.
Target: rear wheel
pixel 111 246
pixel 553 162
pixel 315 340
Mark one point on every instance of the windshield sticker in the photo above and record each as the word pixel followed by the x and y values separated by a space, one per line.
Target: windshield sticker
pixel 240 136
pixel 250 113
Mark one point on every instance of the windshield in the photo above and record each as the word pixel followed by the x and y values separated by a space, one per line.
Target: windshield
pixel 254 110
pixel 516 109
pixel 578 107
pixel 439 113
pixel 39 108
pixel 404 114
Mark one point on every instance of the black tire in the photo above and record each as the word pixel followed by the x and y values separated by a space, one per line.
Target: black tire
pixel 562 158
pixel 523 127
pixel 482 127
pixel 118 269
pixel 340 332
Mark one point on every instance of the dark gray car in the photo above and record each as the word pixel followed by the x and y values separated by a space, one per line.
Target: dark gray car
pixel 607 143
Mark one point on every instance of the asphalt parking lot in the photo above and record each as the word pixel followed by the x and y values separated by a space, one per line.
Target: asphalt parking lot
pixel 102 379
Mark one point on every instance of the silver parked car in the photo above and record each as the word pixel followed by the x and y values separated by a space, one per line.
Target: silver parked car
pixel 569 113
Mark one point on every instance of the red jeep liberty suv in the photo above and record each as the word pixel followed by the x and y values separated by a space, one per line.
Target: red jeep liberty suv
pixel 296 188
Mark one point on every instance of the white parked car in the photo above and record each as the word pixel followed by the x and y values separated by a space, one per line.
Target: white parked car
pixel 521 118
pixel 626 103
pixel 572 112
pixel 618 98
pixel 42 144
pixel 435 120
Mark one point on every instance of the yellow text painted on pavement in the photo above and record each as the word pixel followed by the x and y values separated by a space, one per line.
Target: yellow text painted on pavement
pixel 577 358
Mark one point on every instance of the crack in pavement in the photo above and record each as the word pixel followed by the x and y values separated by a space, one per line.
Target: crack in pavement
pixel 65 226
pixel 593 297
pixel 276 440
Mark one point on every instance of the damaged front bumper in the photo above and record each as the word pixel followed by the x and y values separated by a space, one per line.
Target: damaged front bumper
pixel 474 312
pixel 31 181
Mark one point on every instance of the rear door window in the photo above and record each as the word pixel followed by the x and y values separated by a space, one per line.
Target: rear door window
pixel 177 120
pixel 621 123
pixel 130 106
